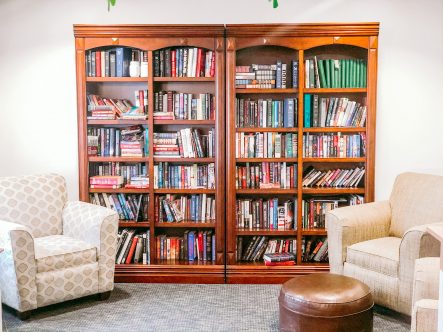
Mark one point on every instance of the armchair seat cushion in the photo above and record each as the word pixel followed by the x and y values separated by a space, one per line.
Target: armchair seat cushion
pixel 379 255
pixel 57 252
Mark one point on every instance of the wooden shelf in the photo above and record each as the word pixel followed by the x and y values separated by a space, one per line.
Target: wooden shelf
pixel 117 122
pixel 134 224
pixel 184 225
pixel 185 122
pixel 117 79
pixel 119 190
pixel 184 79
pixel 244 232
pixel 276 91
pixel 334 160
pixel 306 232
pixel 268 160
pixel 332 191
pixel 119 159
pixel 184 191
pixel 270 191
pixel 184 160
pixel 264 130
pixel 335 90
pixel 334 130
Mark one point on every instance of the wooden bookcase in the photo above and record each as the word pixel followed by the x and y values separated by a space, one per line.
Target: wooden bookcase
pixel 151 38
pixel 265 44
pixel 233 45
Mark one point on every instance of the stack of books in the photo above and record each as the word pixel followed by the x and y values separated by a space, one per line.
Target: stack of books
pixel 265 214
pixel 106 181
pixel 184 62
pixel 133 141
pixel 333 178
pixel 253 249
pixel 129 172
pixel 132 247
pixel 279 259
pixel 170 105
pixel 138 182
pixel 264 76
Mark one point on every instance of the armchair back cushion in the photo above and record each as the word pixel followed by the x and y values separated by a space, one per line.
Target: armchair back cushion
pixel 416 199
pixel 34 201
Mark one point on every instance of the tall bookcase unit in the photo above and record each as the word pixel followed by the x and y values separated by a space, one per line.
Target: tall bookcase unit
pixel 271 44
pixel 152 40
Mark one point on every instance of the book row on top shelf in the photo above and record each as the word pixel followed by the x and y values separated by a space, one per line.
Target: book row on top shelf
pixel 222 148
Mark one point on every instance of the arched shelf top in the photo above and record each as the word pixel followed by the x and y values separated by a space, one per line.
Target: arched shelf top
pixel 337 51
pixel 151 44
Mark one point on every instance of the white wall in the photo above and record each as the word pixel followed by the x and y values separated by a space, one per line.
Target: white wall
pixel 37 73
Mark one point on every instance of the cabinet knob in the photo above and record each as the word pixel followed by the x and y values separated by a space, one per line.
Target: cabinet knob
pixel 183 41
pixel 115 41
pixel 265 40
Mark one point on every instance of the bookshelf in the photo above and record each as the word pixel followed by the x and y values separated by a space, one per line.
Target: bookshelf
pixel 153 40
pixel 267 44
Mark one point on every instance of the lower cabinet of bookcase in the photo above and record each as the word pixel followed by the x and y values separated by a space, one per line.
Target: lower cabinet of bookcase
pixel 201 274
pixel 260 274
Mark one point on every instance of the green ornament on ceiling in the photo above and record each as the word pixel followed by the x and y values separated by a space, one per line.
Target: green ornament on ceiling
pixel 112 3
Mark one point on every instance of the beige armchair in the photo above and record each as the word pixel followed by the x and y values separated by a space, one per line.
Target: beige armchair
pixel 425 291
pixel 55 250
pixel 379 242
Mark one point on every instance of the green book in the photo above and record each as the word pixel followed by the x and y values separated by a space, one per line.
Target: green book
pixel 355 73
pixel 364 74
pixel 332 74
pixel 321 69
pixel 327 74
pixel 352 73
pixel 337 73
pixel 307 104
pixel 342 73
pixel 358 73
pixel 347 69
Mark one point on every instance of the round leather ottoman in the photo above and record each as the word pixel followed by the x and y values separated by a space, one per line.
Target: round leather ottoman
pixel 325 302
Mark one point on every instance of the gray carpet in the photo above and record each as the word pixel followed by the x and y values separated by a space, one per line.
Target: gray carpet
pixel 173 307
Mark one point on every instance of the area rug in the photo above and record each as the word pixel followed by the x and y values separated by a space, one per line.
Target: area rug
pixel 173 307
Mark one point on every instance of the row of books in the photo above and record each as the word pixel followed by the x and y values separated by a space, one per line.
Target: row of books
pixel 133 247
pixel 109 142
pixel 170 105
pixel 193 208
pixel 330 145
pixel 266 113
pixel 266 76
pixel 115 62
pixel 101 108
pixel 252 249
pixel 314 210
pixel 185 143
pixel 129 172
pixel 333 178
pixel 279 259
pixel 265 145
pixel 335 73
pixel 117 181
pixel 265 214
pixel 129 207
pixel 266 175
pixel 333 112
pixel 184 62
pixel 184 176
pixel 315 249
pixel 192 246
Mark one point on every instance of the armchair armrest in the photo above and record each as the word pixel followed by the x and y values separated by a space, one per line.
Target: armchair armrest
pixel 353 224
pixel 17 266
pixel 96 225
pixel 416 243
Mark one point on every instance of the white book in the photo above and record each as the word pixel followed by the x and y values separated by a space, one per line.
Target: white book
pixel 203 208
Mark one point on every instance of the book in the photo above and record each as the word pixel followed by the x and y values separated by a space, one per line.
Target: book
pixel 266 175
pixel 266 145
pixel 192 176
pixel 333 178
pixel 333 145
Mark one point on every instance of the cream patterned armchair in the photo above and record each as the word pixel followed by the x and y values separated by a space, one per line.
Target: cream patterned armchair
pixel 379 242
pixel 55 250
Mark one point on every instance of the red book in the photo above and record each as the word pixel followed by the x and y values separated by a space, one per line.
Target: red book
pixel 141 99
pixel 200 245
pixel 131 250
pixel 287 263
pixel 212 71
pixel 173 63
pixel 98 63
pixel 198 64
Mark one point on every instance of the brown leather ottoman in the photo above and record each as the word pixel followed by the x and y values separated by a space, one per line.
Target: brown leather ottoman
pixel 325 302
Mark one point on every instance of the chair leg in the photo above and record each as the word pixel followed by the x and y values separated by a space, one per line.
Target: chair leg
pixel 24 315
pixel 104 296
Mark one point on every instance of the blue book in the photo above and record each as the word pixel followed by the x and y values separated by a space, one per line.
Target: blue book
pixel 307 110
pixel 205 246
pixel 278 75
pixel 122 59
pixel 146 142
pixel 123 206
pixel 295 74
pixel 213 247
pixel 193 207
pixel 191 240
pixel 275 114
pixel 275 219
